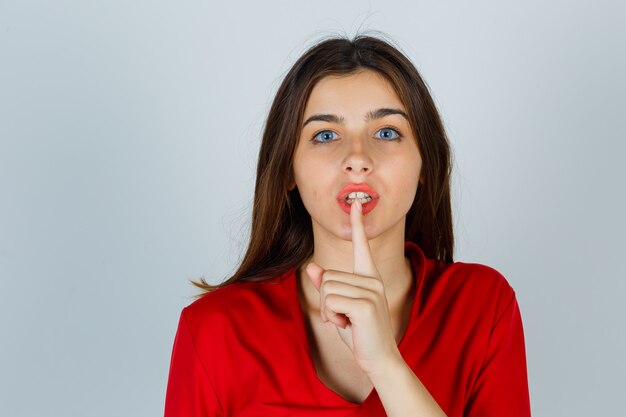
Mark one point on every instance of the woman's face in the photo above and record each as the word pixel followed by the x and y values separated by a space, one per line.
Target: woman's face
pixel 347 139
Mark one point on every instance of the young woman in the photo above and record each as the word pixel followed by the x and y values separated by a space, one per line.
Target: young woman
pixel 348 302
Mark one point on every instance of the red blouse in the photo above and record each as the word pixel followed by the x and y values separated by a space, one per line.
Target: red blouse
pixel 242 350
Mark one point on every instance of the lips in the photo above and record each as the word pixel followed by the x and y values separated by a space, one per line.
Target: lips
pixel 363 187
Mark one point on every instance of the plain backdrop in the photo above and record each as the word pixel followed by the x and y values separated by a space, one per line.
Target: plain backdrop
pixel 128 141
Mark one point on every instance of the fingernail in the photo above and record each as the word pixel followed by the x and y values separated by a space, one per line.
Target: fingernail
pixel 358 205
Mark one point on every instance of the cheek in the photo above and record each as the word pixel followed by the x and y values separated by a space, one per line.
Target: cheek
pixel 310 182
pixel 299 171
pixel 309 170
pixel 408 180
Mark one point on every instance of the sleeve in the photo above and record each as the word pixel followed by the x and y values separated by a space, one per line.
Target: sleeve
pixel 501 387
pixel 189 390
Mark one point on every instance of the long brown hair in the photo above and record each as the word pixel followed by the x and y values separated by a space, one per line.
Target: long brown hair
pixel 282 235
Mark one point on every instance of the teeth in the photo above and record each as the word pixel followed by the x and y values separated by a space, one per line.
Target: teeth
pixel 361 195
pixel 358 194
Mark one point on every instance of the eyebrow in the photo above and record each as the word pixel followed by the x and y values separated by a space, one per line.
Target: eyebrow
pixel 371 115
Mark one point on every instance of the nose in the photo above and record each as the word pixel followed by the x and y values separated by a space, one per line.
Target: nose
pixel 357 162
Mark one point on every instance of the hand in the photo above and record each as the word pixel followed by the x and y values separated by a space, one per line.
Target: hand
pixel 356 303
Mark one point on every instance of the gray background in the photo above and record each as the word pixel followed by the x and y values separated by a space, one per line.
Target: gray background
pixel 129 133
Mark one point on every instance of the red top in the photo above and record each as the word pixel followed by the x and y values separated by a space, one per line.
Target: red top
pixel 242 350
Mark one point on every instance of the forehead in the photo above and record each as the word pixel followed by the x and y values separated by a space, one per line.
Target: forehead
pixel 355 93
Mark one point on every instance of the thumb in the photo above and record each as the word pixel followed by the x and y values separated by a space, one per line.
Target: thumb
pixel 315 273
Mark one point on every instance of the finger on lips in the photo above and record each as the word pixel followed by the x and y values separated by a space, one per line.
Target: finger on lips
pixel 363 260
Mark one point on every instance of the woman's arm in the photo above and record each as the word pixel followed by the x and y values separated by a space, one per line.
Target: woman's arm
pixel 501 387
pixel 402 393
pixel 189 390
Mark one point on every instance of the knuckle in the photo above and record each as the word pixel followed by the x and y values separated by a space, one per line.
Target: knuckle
pixel 377 285
pixel 327 276
pixel 332 302
pixel 330 285
pixel 331 299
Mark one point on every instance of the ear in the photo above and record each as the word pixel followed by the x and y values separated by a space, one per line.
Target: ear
pixel 292 182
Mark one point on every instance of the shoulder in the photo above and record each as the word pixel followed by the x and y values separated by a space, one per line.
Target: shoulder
pixel 471 288
pixel 235 304
pixel 479 277
pixel 448 282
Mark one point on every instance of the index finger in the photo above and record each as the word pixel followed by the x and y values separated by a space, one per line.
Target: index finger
pixel 363 259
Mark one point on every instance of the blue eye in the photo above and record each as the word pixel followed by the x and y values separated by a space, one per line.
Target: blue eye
pixel 388 133
pixel 325 135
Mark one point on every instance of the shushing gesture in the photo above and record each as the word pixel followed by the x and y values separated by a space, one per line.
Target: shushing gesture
pixel 356 303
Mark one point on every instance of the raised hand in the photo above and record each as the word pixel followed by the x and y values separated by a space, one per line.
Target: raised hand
pixel 356 303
